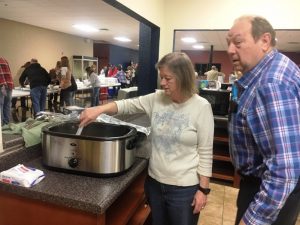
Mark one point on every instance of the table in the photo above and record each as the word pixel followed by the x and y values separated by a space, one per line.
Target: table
pixel 127 93
pixel 25 92
pixel 16 93
pixel 19 92
pixel 83 94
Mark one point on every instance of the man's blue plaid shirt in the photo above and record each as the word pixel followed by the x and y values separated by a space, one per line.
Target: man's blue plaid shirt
pixel 264 133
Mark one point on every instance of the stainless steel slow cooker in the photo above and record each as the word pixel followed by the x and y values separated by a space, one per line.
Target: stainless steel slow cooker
pixel 101 149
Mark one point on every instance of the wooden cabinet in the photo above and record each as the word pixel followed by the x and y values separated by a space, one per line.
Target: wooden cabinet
pixel 222 166
pixel 129 209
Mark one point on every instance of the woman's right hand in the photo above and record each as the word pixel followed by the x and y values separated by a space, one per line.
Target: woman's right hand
pixel 89 115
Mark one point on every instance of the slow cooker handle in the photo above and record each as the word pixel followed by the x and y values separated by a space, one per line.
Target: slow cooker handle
pixel 131 144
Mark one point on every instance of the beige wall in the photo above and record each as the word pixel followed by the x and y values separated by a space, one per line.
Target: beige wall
pixel 20 42
pixel 211 14
pixel 155 11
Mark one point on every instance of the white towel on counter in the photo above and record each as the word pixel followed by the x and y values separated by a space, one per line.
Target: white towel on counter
pixel 22 176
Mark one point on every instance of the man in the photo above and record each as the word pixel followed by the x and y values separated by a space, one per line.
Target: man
pixel 264 125
pixel 38 79
pixel 212 74
pixel 6 87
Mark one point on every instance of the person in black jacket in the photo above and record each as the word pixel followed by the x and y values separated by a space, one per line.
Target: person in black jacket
pixel 38 79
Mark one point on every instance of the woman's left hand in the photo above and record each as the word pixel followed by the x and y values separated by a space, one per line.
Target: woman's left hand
pixel 199 202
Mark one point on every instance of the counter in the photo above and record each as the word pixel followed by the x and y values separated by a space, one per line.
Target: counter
pixel 91 200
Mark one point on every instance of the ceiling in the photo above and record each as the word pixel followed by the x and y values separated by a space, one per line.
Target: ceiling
pixel 60 15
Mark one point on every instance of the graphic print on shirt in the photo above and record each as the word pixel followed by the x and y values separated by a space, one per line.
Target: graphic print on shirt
pixel 169 127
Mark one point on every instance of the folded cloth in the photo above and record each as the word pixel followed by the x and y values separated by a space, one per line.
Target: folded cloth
pixel 22 176
pixel 30 130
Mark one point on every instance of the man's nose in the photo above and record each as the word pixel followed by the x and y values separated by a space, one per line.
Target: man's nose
pixel 231 49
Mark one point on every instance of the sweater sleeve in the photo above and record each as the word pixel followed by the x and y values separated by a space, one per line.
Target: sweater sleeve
pixel 205 124
pixel 142 104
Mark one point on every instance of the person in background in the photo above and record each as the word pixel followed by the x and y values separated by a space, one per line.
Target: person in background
pixel 103 71
pixel 121 76
pixel 212 74
pixel 65 83
pixel 233 77
pixel 6 87
pixel 52 99
pixel 112 71
pixel 54 75
pixel 221 77
pixel 264 127
pixel 134 74
pixel 129 73
pixel 95 84
pixel 182 140
pixel 39 80
pixel 22 99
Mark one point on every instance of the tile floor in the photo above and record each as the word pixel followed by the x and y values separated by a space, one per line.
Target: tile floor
pixel 221 207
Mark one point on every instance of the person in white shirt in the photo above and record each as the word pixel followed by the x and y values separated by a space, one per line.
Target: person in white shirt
pixel 182 128
pixel 212 74
pixel 95 84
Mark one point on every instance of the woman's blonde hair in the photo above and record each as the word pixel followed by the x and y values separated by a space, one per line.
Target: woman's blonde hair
pixel 182 67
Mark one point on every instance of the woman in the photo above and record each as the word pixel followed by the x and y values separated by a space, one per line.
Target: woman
pixel 66 95
pixel 54 74
pixel 182 139
pixel 121 76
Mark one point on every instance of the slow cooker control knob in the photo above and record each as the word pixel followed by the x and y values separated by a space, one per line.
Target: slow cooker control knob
pixel 73 162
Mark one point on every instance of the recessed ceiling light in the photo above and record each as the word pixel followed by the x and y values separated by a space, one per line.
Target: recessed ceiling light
pixel 123 39
pixel 85 28
pixel 104 29
pixel 198 46
pixel 188 40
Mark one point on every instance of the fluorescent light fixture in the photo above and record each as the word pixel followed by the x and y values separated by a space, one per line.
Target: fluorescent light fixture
pixel 198 46
pixel 123 39
pixel 85 28
pixel 189 40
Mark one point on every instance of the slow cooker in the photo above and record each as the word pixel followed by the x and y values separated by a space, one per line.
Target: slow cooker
pixel 101 149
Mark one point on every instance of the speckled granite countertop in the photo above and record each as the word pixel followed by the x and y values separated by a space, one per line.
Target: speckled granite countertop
pixel 90 194
pixel 12 141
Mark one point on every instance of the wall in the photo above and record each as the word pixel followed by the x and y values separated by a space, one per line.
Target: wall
pixel 154 11
pixel 112 54
pixel 211 14
pixel 101 51
pixel 222 58
pixel 218 57
pixel 20 42
pixel 120 55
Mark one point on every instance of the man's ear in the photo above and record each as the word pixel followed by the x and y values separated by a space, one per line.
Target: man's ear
pixel 266 41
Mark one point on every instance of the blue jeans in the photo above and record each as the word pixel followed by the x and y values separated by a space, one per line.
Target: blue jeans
pixel 67 97
pixel 95 96
pixel 38 97
pixel 170 204
pixel 5 104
